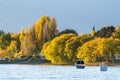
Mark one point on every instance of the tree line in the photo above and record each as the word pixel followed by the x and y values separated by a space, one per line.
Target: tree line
pixel 61 47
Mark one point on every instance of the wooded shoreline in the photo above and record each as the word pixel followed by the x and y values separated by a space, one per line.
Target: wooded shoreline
pixel 44 40
pixel 50 64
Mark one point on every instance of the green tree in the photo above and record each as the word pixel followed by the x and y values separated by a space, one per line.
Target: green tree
pixel 67 31
pixel 105 32
pixel 1 32
pixel 5 40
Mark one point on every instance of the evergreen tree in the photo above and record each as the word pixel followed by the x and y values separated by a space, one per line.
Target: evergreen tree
pixel 93 31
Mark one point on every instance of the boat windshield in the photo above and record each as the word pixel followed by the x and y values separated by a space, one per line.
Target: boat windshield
pixel 80 62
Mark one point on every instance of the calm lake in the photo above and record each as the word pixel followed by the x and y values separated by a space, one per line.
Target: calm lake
pixel 45 72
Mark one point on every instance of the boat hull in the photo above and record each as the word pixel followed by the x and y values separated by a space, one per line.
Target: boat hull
pixel 103 67
pixel 80 67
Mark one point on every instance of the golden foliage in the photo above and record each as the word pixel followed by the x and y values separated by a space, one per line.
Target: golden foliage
pixel 55 50
pixel 98 47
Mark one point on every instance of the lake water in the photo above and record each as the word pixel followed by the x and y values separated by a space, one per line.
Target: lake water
pixel 43 72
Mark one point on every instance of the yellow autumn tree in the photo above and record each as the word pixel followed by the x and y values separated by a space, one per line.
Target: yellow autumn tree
pixel 22 34
pixel 45 30
pixel 71 48
pixel 3 53
pixel 55 49
pixel 116 34
pixel 92 50
pixel 12 49
pixel 28 46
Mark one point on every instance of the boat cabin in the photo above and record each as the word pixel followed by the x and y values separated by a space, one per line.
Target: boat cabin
pixel 80 64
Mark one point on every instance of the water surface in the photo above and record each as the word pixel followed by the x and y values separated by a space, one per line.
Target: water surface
pixel 43 72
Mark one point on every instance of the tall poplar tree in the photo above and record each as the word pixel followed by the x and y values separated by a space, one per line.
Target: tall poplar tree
pixel 45 30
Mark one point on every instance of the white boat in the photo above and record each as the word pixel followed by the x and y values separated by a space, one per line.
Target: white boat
pixel 103 67
pixel 80 64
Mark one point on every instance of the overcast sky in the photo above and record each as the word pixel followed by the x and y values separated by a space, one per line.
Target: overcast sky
pixel 80 15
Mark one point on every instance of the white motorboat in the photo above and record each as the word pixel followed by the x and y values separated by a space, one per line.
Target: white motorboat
pixel 103 67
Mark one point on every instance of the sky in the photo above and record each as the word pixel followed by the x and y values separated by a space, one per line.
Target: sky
pixel 80 15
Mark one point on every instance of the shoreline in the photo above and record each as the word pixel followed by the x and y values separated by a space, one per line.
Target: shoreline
pixel 48 63
pixel 99 63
